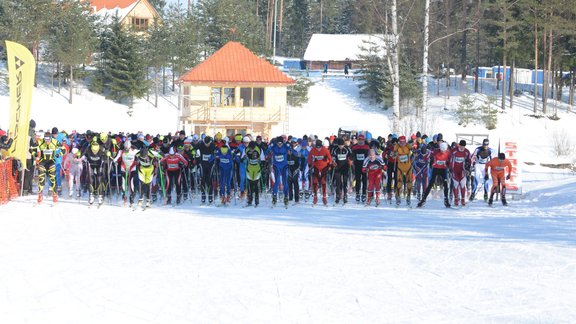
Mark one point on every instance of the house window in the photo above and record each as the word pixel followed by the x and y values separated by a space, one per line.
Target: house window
pixel 223 97
pixel 139 23
pixel 252 97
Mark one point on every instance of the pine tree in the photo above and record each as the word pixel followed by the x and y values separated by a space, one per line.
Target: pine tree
pixel 466 111
pixel 124 70
pixel 372 74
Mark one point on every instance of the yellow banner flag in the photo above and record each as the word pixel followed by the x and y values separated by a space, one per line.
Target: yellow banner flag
pixel 21 72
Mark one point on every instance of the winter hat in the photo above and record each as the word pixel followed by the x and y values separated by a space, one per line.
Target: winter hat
pixel 486 142
pixel 402 139
pixel 318 143
pixel 188 141
pixel 224 149
pixel 54 131
pixel 361 137
pixel 2 132
pixel 339 141
pixel 182 132
pixel 238 137
pixel 226 139
pixel 207 139
pixel 440 137
pixel 218 136
pixel 501 156
pixel 246 139
pixel 418 134
pixel 75 151
pixel 127 144
pixel 443 146
pixel 195 138
pixel 326 143
pixel 462 143
pixel 32 123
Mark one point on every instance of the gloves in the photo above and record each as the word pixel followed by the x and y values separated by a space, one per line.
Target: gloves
pixel 363 170
pixel 486 178
pixel 114 141
pixel 334 164
pixel 108 154
pixel 508 177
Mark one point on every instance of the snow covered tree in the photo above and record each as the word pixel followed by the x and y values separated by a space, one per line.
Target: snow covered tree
pixel 466 111
pixel 489 111
pixel 372 73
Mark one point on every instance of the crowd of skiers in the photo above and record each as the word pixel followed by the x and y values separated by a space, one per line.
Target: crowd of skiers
pixel 245 167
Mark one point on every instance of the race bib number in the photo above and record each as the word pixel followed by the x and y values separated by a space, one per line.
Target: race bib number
pixel 279 158
pixel 342 157
pixel 403 158
pixel 224 160
pixel 206 157
pixel 459 160
pixel 172 166
pixel 254 161
pixel 47 152
pixel 291 162
pixel 360 157
pixel 374 167
pixel 499 168
pixel 318 157
pixel 441 162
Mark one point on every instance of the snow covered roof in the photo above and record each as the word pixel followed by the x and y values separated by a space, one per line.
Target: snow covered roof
pixel 336 47
pixel 111 8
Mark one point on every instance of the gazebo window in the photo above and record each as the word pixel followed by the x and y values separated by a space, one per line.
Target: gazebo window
pixel 223 97
pixel 252 97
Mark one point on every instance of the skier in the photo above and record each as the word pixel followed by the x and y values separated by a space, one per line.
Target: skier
pixel 499 176
pixel 73 169
pixel 304 169
pixel 481 156
pixel 390 158
pixel 342 162
pixel 279 151
pixel 96 158
pixel 360 153
pixel 241 174
pixel 225 160
pixel 145 164
pixel 373 167
pixel 47 149
pixel 294 159
pixel 205 158
pixel 421 170
pixel 441 160
pixel 128 171
pixel 173 164
pixel 253 155
pixel 319 160
pixel 403 155
pixel 189 173
pixel 459 163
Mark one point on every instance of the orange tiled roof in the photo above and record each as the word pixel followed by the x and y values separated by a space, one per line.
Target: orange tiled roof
pixel 111 4
pixel 235 63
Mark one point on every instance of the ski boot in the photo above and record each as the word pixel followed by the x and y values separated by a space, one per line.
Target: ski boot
pixel 369 199
pixel 456 201
pixel 325 200
pixel 179 200
pixel 447 203
pixel 286 201
pixel 357 197
pixel 203 199
pixel 40 198
pixel 472 196
pixel 345 199
pixel 421 203
pixel 55 197
pixel 168 200
pixel 504 202
pixel 389 198
pixel 463 202
pixel 485 196
pixel 148 203
pixel 377 200
pixel 79 194
pixel 100 200
pixel 228 198
pixel 222 200
pixel 274 199
pixel 364 198
pixel 210 199
pixel 307 195
pixel 70 193
pixel 398 200
pixel 315 200
pixel 408 200
pixel 337 200
pixel 91 199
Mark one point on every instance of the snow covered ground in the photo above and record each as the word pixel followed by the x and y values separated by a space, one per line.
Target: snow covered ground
pixel 196 264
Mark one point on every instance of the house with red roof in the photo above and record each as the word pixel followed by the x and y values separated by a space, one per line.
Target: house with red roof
pixel 234 92
pixel 136 14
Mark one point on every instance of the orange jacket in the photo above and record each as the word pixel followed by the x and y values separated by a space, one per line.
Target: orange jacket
pixel 499 167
